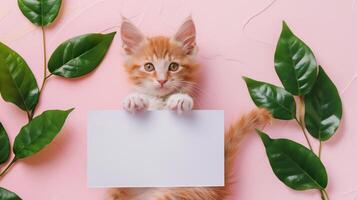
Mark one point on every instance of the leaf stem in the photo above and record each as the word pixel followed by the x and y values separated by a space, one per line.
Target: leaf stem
pixel 44 57
pixel 300 120
pixel 324 195
pixel 45 76
pixel 320 148
pixel 28 115
pixel 305 134
pixel 8 167
pixel 48 76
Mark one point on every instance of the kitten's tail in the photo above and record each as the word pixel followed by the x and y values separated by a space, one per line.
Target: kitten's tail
pixel 234 135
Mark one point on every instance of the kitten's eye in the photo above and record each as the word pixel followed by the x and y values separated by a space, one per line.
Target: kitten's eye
pixel 173 66
pixel 149 67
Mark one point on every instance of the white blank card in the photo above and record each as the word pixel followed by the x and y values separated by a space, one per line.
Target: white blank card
pixel 155 149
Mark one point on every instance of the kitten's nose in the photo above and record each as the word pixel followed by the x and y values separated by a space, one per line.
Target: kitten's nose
pixel 162 82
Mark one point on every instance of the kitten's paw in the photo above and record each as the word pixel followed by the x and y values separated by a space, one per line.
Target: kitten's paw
pixel 180 103
pixel 136 103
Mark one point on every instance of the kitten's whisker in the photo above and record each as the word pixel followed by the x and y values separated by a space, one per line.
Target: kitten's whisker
pixel 194 86
pixel 190 83
pixel 191 89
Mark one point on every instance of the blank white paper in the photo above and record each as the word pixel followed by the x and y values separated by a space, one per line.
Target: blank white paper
pixel 155 149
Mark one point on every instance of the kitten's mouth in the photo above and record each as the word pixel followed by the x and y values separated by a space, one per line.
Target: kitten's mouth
pixel 162 89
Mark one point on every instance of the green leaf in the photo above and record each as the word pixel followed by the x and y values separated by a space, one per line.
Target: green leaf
pixel 8 195
pixel 323 108
pixel 80 55
pixel 295 63
pixel 39 132
pixel 279 102
pixel 295 165
pixel 4 145
pixel 40 12
pixel 17 82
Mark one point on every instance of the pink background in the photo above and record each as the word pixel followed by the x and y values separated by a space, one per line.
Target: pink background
pixel 227 52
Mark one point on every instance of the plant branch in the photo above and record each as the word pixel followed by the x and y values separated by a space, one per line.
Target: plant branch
pixel 45 76
pixel 300 121
pixel 29 115
pixel 305 134
pixel 324 195
pixel 8 167
pixel 48 76
pixel 44 57
pixel 320 148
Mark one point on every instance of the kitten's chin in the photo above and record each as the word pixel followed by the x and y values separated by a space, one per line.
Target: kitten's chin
pixel 158 92
pixel 161 92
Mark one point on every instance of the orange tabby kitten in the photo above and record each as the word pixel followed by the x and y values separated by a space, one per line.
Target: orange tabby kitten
pixel 162 69
pixel 163 72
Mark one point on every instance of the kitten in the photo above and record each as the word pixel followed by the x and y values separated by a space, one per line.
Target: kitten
pixel 164 74
pixel 162 70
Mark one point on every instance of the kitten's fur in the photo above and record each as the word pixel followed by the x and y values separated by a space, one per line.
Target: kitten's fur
pixel 161 87
pixel 174 92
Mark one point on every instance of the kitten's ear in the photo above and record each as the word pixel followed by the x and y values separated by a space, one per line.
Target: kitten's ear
pixel 131 36
pixel 186 35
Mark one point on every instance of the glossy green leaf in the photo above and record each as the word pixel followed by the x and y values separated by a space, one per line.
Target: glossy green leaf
pixel 279 102
pixel 17 82
pixel 39 132
pixel 8 195
pixel 295 63
pixel 40 12
pixel 4 145
pixel 80 55
pixel 323 108
pixel 295 165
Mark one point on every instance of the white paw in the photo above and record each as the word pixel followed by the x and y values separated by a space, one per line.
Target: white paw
pixel 136 103
pixel 180 103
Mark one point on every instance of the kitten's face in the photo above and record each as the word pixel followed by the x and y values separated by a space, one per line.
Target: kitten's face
pixel 160 65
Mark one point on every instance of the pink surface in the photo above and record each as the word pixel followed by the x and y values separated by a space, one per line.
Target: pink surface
pixel 226 53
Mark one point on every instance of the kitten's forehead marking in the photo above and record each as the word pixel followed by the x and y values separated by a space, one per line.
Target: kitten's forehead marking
pixel 161 67
pixel 167 57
